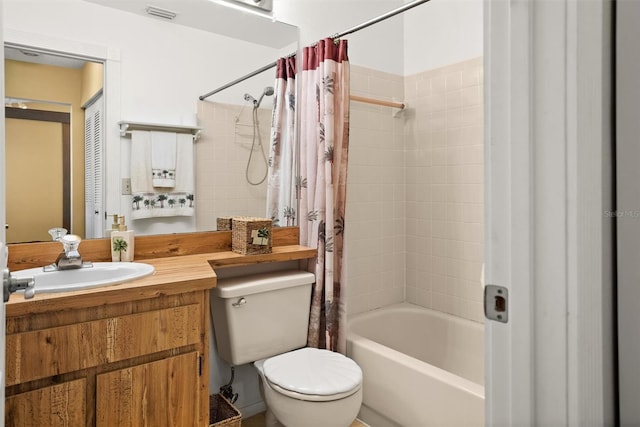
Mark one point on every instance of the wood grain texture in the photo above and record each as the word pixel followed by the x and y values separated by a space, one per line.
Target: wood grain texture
pixel 143 329
pixel 173 275
pixel 193 330
pixel 60 405
pixel 155 394
pixel 68 316
pixel 88 344
pixel 29 255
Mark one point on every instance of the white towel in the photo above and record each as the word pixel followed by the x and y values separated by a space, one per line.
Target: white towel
pixel 149 202
pixel 163 159
pixel 141 162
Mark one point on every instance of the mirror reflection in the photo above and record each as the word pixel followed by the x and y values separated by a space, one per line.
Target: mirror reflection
pixel 152 71
pixel 49 108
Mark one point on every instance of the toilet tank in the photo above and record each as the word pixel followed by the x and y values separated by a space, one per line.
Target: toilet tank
pixel 261 315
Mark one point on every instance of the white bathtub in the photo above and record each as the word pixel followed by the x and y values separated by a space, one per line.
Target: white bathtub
pixel 421 367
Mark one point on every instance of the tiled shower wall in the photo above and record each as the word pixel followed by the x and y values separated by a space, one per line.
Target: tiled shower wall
pixel 375 217
pixel 222 153
pixel 415 191
pixel 444 180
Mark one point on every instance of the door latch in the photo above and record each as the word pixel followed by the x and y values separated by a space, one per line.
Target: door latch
pixel 496 303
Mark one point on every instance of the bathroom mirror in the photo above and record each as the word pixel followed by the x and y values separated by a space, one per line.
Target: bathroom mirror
pixel 154 70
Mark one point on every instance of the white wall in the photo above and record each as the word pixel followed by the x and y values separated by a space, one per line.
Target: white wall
pixel 429 36
pixel 376 47
pixel 165 67
pixel 440 33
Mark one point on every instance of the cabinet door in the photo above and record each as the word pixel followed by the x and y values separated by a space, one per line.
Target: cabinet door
pixel 156 394
pixel 58 405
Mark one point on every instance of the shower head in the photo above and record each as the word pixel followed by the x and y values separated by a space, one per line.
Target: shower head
pixel 268 91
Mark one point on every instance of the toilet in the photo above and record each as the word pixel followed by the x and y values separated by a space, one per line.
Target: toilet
pixel 263 319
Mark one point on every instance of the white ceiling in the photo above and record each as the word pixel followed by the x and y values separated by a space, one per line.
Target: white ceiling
pixel 41 57
pixel 223 17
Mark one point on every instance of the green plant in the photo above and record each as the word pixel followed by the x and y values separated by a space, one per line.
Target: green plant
pixel 264 233
pixel 119 246
pixel 261 236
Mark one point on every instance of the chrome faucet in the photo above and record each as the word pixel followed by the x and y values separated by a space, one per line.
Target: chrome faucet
pixel 70 258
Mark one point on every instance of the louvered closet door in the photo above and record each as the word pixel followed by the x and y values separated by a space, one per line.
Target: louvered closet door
pixel 93 166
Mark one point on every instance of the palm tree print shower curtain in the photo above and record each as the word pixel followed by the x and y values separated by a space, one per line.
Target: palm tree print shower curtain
pixel 281 188
pixel 324 146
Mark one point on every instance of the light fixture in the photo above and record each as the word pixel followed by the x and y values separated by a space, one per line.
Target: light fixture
pixel 160 13
pixel 254 8
pixel 266 5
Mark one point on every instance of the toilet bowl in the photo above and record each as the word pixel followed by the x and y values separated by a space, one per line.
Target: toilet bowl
pixel 263 319
pixel 310 387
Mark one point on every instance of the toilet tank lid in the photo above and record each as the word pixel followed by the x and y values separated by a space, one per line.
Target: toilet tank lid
pixel 251 284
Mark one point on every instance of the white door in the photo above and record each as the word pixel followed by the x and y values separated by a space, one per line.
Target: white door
pixel 549 241
pixel 508 346
pixel 93 180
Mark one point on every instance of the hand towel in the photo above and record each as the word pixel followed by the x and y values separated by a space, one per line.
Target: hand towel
pixel 151 202
pixel 141 162
pixel 163 159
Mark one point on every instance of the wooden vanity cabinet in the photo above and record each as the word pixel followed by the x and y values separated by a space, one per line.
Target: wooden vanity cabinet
pixel 133 363
pixel 134 354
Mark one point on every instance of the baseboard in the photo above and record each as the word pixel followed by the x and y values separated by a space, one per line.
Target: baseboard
pixel 251 410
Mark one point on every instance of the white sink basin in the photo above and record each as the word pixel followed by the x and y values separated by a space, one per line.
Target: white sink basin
pixel 99 274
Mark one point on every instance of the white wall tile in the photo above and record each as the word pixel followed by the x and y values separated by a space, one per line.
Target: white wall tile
pixel 417 182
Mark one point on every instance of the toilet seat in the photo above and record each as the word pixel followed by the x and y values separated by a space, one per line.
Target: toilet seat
pixel 312 374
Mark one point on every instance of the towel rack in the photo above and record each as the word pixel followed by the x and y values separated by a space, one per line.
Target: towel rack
pixel 127 127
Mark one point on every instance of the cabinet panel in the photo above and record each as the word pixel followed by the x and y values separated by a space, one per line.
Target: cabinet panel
pixel 58 405
pixel 158 394
pixel 44 353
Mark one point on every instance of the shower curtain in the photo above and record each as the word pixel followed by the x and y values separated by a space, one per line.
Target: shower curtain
pixel 281 188
pixel 321 182
pixel 324 147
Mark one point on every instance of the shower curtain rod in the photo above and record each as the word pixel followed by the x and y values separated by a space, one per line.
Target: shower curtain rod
pixel 366 24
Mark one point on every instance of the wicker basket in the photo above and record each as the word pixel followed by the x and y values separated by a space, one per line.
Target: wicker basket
pixel 222 413
pixel 223 223
pixel 250 236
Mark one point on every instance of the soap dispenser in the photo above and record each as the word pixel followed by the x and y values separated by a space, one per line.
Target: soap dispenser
pixel 122 242
pixel 114 226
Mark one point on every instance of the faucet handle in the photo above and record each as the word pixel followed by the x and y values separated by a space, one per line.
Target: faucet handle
pixel 57 233
pixel 70 242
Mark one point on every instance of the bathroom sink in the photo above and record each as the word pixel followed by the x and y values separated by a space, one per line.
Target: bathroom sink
pixel 98 274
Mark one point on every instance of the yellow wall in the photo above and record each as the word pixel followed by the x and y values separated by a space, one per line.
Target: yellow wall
pixel 66 86
pixel 36 195
pixel 92 80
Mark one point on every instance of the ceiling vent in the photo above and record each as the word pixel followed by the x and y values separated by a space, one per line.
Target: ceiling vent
pixel 161 13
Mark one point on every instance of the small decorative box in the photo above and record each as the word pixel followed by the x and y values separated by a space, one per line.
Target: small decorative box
pixel 250 236
pixel 223 223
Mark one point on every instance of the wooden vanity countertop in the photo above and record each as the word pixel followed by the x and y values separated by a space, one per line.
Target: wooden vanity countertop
pixel 173 275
